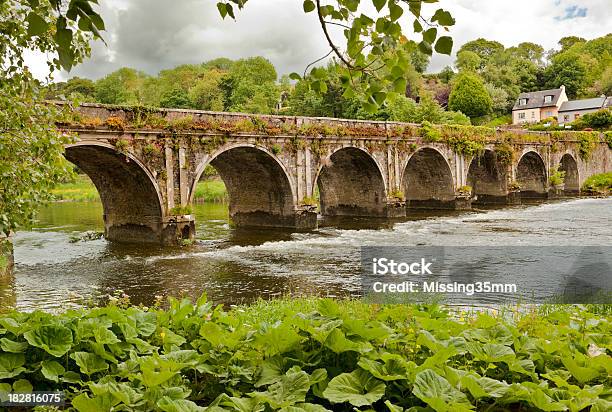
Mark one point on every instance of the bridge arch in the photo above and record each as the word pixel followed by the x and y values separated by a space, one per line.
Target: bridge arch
pixel 428 180
pixel 531 175
pixel 351 183
pixel 130 195
pixel 488 178
pixel 569 165
pixel 261 191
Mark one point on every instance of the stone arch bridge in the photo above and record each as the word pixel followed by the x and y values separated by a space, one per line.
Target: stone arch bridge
pixel 145 165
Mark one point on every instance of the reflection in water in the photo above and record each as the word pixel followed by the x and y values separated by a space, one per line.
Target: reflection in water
pixel 234 265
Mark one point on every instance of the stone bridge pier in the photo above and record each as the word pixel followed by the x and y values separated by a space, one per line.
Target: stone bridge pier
pixel 283 171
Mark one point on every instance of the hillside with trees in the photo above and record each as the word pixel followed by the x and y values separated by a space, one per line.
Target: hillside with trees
pixel 480 88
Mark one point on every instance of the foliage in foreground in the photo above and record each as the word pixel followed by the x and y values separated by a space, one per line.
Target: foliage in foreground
pixel 311 355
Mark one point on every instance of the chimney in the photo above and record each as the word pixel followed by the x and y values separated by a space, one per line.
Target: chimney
pixel 562 88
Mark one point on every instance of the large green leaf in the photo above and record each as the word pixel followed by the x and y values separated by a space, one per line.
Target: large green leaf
pixel 102 403
pixel 394 367
pixel 359 388
pixel 89 363
pixel 11 365
pixel 582 374
pixel 167 404
pixel 55 339
pixel 289 390
pixel 120 391
pixel 338 342
pixel 491 352
pixel 22 386
pixel 8 345
pixel 52 370
pixel 434 390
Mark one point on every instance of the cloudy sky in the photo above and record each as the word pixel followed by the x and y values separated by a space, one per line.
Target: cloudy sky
pixel 151 35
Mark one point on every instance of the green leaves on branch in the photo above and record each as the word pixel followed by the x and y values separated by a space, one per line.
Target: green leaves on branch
pixel 374 43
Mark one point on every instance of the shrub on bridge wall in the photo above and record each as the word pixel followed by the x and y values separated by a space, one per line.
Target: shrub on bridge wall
pixel 504 153
pixel 115 123
pixel 430 133
pixel 608 139
pixel 122 145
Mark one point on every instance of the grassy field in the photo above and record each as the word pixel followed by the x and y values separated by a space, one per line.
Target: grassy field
pixel 211 191
pixel 83 190
pixel 80 190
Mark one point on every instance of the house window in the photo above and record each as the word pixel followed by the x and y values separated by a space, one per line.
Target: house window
pixel 533 115
pixel 522 102
pixel 548 99
pixel 521 115
pixel 549 114
pixel 566 117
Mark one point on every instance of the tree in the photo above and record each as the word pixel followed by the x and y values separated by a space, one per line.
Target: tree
pixel 222 64
pixel 566 69
pixel 372 41
pixel 468 61
pixel 483 48
pixel 529 51
pixel 446 75
pixel 469 96
pixel 604 84
pixel 569 41
pixel 123 86
pixel 206 93
pixel 175 98
pixel 499 99
pixel 256 69
pixel 250 86
pixel 75 87
pixel 31 149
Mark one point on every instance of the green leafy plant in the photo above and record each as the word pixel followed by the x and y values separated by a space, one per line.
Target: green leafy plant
pixel 151 149
pixel 122 145
pixel 309 201
pixel 429 133
pixel 557 177
pixel 608 139
pixel 276 148
pixel 599 184
pixel 397 194
pixel 180 210
pixel 586 143
pixel 465 191
pixel 311 354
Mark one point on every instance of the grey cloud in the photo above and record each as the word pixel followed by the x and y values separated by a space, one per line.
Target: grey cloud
pixel 151 35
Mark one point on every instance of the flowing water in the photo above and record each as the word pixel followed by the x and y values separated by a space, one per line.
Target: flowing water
pixel 55 272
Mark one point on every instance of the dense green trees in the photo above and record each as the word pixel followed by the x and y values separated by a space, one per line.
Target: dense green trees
pixel 470 96
pixel 252 84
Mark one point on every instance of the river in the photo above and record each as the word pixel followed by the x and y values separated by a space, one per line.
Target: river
pixel 55 272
